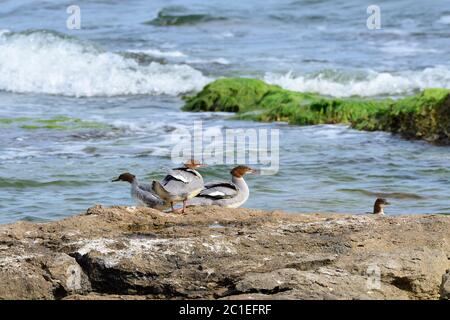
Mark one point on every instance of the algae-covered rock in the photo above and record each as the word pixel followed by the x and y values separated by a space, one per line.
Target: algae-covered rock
pixel 179 16
pixel 257 100
pixel 55 123
pixel 423 116
pixel 230 95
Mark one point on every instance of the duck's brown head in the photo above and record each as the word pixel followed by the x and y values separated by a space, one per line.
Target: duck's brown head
pixel 193 164
pixel 128 177
pixel 379 205
pixel 240 171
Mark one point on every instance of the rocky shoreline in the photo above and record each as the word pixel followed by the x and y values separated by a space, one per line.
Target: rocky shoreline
pixel 216 253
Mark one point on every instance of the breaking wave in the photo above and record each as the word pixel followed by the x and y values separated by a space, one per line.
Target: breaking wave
pixel 41 61
pixel 369 84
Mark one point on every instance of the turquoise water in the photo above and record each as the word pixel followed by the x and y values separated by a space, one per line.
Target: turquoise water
pixel 78 107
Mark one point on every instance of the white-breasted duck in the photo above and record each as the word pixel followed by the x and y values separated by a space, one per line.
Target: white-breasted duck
pixel 143 193
pixel 225 194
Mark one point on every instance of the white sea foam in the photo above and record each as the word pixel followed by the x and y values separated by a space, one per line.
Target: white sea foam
pixel 208 61
pixel 4 31
pixel 160 54
pixel 223 35
pixel 373 84
pixel 401 48
pixel 148 127
pixel 177 55
pixel 47 62
pixel 444 19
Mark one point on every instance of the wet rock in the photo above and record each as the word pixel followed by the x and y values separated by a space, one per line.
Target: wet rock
pixel 141 253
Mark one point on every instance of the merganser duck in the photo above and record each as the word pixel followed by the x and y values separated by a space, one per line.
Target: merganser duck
pixel 180 184
pixel 379 205
pixel 226 194
pixel 142 193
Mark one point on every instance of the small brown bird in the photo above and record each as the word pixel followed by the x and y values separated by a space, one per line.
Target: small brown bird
pixel 379 205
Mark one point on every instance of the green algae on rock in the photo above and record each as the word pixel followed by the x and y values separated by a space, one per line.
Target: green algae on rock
pixel 422 116
pixel 55 123
pixel 178 15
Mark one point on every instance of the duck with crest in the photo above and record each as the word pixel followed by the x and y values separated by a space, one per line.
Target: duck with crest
pixel 180 184
pixel 226 194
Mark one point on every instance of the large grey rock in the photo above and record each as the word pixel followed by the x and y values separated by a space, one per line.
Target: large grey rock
pixel 138 253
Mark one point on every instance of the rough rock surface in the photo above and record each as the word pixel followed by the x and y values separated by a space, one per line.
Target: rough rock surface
pixel 141 253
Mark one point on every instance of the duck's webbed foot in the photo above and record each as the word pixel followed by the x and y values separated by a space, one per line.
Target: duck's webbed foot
pixel 175 210
pixel 184 206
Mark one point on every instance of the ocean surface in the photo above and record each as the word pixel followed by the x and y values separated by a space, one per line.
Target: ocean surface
pixel 78 107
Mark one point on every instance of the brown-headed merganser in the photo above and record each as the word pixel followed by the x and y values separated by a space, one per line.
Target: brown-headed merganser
pixel 378 207
pixel 180 184
pixel 225 194
pixel 143 193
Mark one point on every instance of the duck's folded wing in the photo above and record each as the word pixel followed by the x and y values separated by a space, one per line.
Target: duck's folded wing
pixel 148 197
pixel 221 190
pixel 184 175
pixel 146 187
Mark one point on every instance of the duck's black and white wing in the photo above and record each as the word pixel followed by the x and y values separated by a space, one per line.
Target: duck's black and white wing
pixel 184 175
pixel 219 190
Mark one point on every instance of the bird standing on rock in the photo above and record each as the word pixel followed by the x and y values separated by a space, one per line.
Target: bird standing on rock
pixel 180 184
pixel 225 194
pixel 143 193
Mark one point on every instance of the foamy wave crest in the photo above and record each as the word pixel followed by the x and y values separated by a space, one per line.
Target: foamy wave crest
pixel 160 54
pixel 369 84
pixel 53 63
